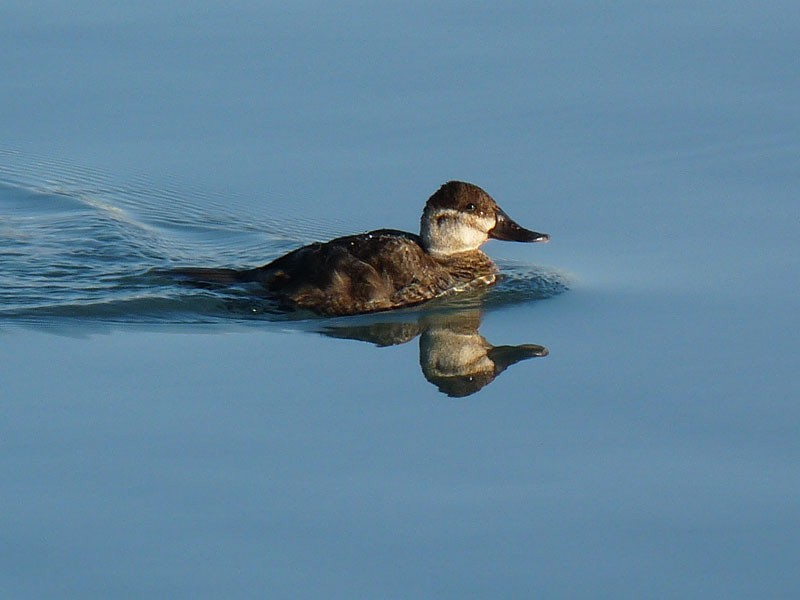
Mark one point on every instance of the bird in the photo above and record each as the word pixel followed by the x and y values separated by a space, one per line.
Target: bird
pixel 386 269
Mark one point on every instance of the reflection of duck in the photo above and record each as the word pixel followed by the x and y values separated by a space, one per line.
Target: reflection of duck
pixel 459 360
pixel 453 355
pixel 387 269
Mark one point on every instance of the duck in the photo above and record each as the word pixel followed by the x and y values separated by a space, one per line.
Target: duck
pixel 388 269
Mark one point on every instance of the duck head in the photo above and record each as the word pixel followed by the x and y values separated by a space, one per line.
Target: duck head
pixel 460 217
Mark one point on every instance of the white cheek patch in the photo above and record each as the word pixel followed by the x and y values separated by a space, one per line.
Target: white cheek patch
pixel 451 231
pixel 457 235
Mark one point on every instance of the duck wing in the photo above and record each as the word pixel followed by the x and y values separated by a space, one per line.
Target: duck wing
pixel 361 273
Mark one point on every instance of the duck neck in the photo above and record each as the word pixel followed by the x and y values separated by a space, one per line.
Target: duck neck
pixel 444 239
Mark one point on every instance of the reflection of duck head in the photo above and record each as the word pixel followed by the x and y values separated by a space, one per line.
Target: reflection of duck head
pixel 459 360
pixel 453 355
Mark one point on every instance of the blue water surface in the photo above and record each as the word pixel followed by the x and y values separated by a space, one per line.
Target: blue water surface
pixel 164 441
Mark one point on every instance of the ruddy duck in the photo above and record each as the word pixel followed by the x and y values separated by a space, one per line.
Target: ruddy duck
pixel 386 269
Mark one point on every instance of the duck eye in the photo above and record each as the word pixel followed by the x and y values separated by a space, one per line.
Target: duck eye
pixel 470 207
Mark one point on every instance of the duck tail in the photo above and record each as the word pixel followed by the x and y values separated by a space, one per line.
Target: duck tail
pixel 214 277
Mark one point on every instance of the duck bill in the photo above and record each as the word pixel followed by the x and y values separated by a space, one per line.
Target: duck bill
pixel 506 229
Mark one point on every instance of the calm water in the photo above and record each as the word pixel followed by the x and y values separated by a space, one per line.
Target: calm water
pixel 161 441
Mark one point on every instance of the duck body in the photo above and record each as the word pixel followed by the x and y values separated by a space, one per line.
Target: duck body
pixel 368 272
pixel 387 269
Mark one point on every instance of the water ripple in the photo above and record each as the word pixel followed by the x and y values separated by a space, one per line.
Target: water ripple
pixel 74 245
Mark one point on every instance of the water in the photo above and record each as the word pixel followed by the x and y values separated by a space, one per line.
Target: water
pixel 165 441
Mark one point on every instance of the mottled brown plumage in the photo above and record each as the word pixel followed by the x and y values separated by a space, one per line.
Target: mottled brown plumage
pixel 369 272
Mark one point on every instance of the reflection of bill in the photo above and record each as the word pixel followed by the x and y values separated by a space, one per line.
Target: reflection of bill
pixel 453 355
